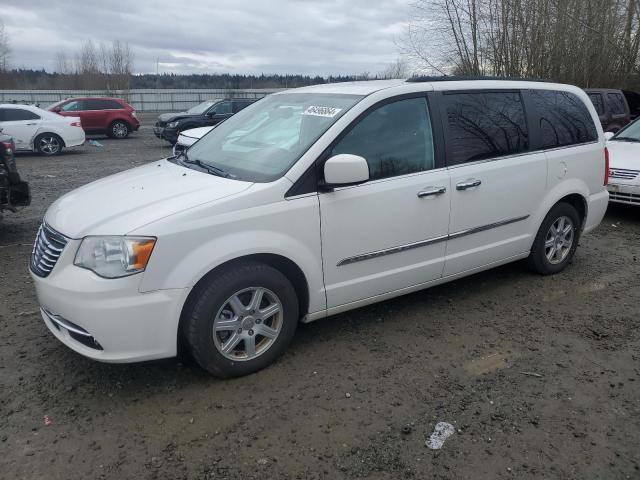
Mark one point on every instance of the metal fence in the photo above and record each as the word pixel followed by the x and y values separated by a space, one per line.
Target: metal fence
pixel 144 100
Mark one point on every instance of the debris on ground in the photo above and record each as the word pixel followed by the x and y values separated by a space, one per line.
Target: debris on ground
pixel 441 432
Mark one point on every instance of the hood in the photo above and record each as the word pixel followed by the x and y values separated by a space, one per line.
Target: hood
pixel 197 133
pixel 624 155
pixel 120 203
pixel 172 117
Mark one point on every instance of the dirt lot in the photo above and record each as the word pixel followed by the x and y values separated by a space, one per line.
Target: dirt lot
pixel 357 395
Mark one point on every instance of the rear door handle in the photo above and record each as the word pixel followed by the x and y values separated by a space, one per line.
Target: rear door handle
pixel 31 123
pixel 468 184
pixel 431 191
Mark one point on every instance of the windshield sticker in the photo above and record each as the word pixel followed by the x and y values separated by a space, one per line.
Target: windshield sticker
pixel 316 111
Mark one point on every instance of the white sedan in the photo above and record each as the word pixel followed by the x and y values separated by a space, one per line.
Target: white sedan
pixel 624 165
pixel 189 137
pixel 38 130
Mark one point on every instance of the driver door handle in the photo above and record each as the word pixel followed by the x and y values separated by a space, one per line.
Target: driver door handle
pixel 431 191
pixel 468 184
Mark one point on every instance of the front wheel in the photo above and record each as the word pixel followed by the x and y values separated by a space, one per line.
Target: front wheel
pixel 119 129
pixel 241 320
pixel 48 144
pixel 556 241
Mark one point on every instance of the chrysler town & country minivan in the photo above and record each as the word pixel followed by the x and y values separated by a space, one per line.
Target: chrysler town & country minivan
pixel 315 201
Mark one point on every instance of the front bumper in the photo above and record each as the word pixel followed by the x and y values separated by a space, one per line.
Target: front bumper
pixel 623 193
pixel 168 134
pixel 108 319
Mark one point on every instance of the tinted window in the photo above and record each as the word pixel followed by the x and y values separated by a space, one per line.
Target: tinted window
pixel 596 99
pixel 221 108
pixel 17 114
pixel 564 119
pixel 485 125
pixel 395 139
pixel 616 103
pixel 240 104
pixel 101 104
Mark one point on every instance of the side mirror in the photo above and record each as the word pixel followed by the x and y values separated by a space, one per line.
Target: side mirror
pixel 608 135
pixel 345 169
pixel 57 109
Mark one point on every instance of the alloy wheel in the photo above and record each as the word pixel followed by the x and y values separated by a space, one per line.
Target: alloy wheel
pixel 49 145
pixel 559 240
pixel 248 323
pixel 119 130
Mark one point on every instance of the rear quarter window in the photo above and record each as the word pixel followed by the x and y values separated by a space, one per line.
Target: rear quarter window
pixel 563 119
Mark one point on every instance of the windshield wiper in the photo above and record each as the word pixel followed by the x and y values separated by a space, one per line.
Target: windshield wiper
pixel 626 139
pixel 184 158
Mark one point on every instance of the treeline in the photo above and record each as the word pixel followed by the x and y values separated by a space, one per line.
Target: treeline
pixel 589 43
pixel 42 80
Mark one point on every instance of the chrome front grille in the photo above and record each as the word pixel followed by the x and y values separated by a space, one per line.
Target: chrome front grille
pixel 623 173
pixel 46 250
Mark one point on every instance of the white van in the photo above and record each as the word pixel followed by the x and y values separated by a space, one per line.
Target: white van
pixel 315 201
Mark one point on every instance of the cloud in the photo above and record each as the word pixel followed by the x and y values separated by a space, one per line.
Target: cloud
pixel 237 36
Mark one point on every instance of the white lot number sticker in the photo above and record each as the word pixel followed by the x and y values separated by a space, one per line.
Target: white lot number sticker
pixel 316 111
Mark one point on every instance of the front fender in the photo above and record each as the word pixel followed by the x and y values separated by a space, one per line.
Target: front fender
pixel 195 246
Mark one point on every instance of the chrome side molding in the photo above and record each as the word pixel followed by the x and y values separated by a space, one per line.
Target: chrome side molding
pixel 430 241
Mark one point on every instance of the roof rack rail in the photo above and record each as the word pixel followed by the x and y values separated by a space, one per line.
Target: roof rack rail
pixel 458 78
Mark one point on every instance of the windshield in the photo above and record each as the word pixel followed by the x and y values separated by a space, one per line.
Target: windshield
pixel 201 108
pixel 630 133
pixel 260 143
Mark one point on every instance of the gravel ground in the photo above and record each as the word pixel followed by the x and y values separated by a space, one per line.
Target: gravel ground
pixel 539 375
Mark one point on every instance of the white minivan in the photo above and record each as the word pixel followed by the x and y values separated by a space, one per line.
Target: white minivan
pixel 315 201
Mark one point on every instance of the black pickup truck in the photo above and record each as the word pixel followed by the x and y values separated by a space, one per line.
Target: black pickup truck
pixel 169 125
pixel 14 192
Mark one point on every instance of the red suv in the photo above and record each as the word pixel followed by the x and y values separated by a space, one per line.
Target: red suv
pixel 112 116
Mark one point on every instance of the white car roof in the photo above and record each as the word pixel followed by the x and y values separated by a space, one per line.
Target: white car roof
pixel 402 86
pixel 354 88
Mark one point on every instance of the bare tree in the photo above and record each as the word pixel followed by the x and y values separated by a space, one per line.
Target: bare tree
pixel 102 67
pixel 5 48
pixel 398 69
pixel 585 42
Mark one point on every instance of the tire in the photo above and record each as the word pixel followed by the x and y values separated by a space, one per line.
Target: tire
pixel 552 250
pixel 224 301
pixel 119 129
pixel 48 144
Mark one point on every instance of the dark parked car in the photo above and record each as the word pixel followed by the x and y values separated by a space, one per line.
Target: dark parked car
pixel 14 192
pixel 633 100
pixel 611 106
pixel 112 116
pixel 169 125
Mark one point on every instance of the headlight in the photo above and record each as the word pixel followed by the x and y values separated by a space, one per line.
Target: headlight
pixel 114 257
pixel 172 124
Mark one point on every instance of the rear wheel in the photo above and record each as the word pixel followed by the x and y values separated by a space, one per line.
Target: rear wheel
pixel 241 320
pixel 119 129
pixel 556 241
pixel 48 144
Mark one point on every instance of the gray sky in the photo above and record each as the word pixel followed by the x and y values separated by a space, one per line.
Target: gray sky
pixel 236 36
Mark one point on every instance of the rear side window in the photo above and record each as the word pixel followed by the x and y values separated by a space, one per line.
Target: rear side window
pixel 485 125
pixel 616 103
pixel 596 99
pixel 563 119
pixel 395 139
pixel 17 114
